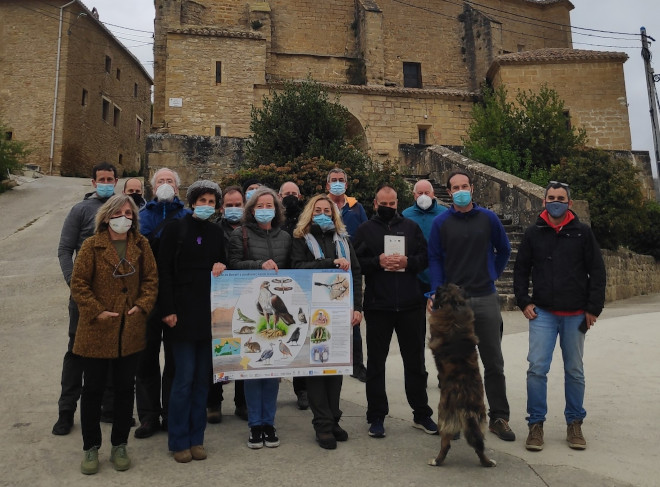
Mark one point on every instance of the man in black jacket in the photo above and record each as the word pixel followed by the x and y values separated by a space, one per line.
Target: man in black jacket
pixel 568 278
pixel 392 251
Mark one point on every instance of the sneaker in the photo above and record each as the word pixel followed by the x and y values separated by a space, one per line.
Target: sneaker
pixel 64 424
pixel 214 415
pixel 427 425
pixel 241 412
pixel 326 441
pixel 339 433
pixel 535 437
pixel 198 452
pixel 183 456
pixel 119 458
pixel 500 427
pixel 377 428
pixel 90 463
pixel 574 436
pixel 359 373
pixel 303 401
pixel 256 439
pixel 147 429
pixel 270 438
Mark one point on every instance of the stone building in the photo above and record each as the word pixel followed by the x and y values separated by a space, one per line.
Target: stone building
pixel 408 72
pixel 96 107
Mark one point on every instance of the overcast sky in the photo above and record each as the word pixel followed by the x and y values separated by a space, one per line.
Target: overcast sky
pixel 606 15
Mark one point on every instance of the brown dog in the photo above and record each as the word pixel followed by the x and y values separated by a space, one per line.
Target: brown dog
pixel 454 346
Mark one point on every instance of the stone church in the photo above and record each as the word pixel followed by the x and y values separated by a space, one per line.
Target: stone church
pixel 409 71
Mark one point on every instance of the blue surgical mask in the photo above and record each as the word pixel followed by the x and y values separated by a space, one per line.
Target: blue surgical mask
pixel 337 188
pixel 204 212
pixel 248 194
pixel 105 190
pixel 462 197
pixel 264 215
pixel 324 221
pixel 233 214
pixel 556 209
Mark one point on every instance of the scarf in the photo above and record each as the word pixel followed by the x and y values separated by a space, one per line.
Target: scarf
pixel 341 246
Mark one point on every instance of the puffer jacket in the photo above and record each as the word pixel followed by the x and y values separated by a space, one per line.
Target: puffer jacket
pixel 262 245
pixel 95 289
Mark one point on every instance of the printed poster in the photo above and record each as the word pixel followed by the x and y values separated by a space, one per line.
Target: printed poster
pixel 281 324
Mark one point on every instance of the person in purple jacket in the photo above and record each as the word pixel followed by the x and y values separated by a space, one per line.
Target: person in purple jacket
pixel 469 247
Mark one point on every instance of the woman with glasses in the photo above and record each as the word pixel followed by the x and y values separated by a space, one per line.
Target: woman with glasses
pixel 114 284
pixel 321 242
pixel 191 249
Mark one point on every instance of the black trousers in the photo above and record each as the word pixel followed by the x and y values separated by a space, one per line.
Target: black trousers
pixel 323 393
pixel 72 371
pixel 410 328
pixel 123 381
pixel 215 394
pixel 150 386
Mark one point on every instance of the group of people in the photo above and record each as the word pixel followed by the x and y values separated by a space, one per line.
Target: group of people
pixel 140 278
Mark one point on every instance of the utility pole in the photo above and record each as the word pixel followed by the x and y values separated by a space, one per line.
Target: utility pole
pixel 650 84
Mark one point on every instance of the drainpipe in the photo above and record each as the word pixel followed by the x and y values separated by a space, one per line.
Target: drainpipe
pixel 57 84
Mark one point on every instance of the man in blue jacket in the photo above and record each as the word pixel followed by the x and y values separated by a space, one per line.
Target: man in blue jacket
pixel 568 275
pixel 469 247
pixel 423 212
pixel 164 208
pixel 392 251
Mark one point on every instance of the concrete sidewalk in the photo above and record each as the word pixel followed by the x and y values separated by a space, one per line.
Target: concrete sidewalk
pixel 621 363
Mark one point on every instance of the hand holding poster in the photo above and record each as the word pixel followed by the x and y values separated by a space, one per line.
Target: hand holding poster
pixel 281 324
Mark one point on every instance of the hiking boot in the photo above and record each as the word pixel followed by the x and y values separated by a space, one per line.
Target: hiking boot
pixel 500 427
pixel 377 428
pixel 339 433
pixel 183 456
pixel 198 452
pixel 326 440
pixel 90 463
pixel 270 438
pixel 256 439
pixel 427 425
pixel 303 401
pixel 147 429
pixel 574 436
pixel 214 415
pixel 119 458
pixel 241 412
pixel 64 424
pixel 535 437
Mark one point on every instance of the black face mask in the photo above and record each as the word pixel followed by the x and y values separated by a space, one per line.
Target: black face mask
pixel 138 199
pixel 290 204
pixel 386 213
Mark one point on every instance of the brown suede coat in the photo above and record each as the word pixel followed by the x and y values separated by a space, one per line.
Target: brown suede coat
pixel 95 290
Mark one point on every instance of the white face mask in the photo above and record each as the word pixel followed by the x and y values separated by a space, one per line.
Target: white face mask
pixel 165 192
pixel 121 224
pixel 424 201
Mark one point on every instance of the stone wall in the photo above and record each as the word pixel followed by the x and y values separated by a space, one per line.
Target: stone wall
pixel 630 274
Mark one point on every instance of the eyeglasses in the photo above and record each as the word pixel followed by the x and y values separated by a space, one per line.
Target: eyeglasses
pixel 128 269
pixel 563 185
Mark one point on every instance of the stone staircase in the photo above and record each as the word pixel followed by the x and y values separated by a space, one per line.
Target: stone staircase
pixel 504 284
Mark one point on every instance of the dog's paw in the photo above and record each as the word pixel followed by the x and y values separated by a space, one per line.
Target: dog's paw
pixel 434 462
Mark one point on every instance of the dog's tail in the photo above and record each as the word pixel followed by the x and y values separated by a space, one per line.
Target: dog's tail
pixel 473 433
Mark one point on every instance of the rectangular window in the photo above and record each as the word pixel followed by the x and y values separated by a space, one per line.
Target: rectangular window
pixel 108 64
pixel 412 75
pixel 138 128
pixel 121 159
pixel 115 116
pixel 218 131
pixel 118 73
pixel 9 135
pixel 84 98
pixel 422 136
pixel 218 72
pixel 106 110
pixel 567 117
pixel 135 90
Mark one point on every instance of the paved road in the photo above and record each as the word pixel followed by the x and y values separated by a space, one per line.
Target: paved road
pixel 623 394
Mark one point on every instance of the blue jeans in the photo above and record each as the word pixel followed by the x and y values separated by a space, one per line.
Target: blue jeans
pixel 187 408
pixel 261 399
pixel 543 331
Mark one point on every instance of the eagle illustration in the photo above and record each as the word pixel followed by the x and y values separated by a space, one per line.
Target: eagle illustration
pixel 270 304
